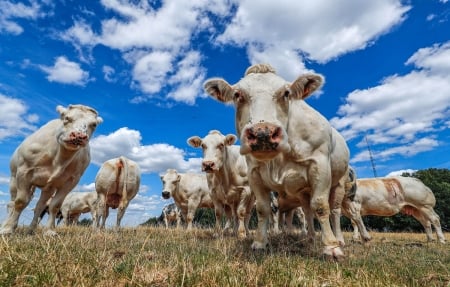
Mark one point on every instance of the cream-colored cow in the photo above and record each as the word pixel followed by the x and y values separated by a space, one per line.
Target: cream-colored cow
pixel 189 191
pixel 290 148
pixel 52 159
pixel 226 172
pixel 117 183
pixel 77 203
pixel 389 196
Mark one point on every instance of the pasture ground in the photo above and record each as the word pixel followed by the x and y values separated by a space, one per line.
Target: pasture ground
pixel 150 256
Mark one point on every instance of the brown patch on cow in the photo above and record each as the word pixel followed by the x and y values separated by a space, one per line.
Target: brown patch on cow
pixel 113 200
pixel 394 190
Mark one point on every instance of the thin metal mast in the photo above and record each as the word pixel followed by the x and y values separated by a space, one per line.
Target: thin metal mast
pixel 371 158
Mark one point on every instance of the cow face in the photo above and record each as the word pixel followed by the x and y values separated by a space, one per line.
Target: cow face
pixel 263 104
pixel 78 124
pixel 170 182
pixel 213 146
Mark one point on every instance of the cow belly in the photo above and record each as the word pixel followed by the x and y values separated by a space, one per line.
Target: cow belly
pixel 380 210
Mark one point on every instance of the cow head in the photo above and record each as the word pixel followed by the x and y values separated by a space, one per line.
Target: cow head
pixel 78 124
pixel 213 146
pixel 170 182
pixel 262 101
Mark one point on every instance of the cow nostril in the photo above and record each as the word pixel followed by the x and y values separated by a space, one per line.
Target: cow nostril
pixel 276 134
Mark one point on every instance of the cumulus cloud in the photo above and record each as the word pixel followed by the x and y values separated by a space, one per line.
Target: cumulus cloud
pixel 154 158
pixel 281 30
pixel 14 119
pixel 66 72
pixel 11 12
pixel 405 111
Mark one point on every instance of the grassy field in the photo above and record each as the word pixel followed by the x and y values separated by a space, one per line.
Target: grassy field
pixel 149 256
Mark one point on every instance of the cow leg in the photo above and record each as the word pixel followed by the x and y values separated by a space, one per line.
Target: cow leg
pixel 53 209
pixel 428 217
pixel 302 219
pixel 21 194
pixel 263 210
pixel 192 207
pixel 40 206
pixel 320 186
pixel 100 206
pixel 105 216
pixel 121 211
pixel 242 211
pixel 352 210
pixel 309 217
pixel 337 194
pixel 289 218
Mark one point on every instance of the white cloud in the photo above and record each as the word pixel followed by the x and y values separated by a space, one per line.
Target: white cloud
pixel 66 72
pixel 14 120
pixel 400 172
pixel 284 29
pixel 155 158
pixel 108 73
pixel 11 12
pixel 404 111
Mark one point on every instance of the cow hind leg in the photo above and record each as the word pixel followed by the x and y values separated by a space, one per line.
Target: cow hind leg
pixel 431 218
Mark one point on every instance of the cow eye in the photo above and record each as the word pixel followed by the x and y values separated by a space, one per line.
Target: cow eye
pixel 204 147
pixel 67 119
pixel 220 146
pixel 237 96
pixel 93 125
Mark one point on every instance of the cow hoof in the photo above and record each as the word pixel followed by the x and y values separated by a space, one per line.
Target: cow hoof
pixel 50 233
pixel 334 253
pixel 259 245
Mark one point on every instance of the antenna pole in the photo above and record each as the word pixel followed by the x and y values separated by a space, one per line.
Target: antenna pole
pixel 371 158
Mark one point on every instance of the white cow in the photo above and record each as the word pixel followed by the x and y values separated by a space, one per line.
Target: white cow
pixel 290 148
pixel 117 183
pixel 171 214
pixel 389 196
pixel 77 203
pixel 226 172
pixel 189 191
pixel 52 159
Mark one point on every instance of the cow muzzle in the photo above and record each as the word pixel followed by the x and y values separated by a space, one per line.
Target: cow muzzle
pixel 263 137
pixel 208 166
pixel 77 138
pixel 165 194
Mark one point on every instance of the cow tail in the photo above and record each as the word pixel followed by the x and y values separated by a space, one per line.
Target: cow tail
pixel 350 184
pixel 125 177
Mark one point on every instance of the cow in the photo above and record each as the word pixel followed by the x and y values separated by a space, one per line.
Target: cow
pixel 290 148
pixel 189 192
pixel 389 196
pixel 77 203
pixel 226 172
pixel 53 159
pixel 116 183
pixel 170 214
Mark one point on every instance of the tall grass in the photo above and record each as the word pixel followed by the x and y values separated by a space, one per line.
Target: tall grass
pixel 150 256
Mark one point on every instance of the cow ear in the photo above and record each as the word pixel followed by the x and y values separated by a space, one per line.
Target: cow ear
pixel 178 177
pixel 305 85
pixel 99 120
pixel 61 110
pixel 219 89
pixel 230 139
pixel 194 141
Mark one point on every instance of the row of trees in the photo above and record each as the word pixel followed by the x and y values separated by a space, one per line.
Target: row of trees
pixel 436 179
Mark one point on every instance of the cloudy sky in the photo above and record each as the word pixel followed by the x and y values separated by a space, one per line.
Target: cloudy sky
pixel 141 65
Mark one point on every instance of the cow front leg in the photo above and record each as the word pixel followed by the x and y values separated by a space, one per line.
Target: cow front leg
pixel 21 195
pixel 40 206
pixel 263 210
pixel 320 188
pixel 53 209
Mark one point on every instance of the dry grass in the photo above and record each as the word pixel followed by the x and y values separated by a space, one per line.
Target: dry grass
pixel 148 256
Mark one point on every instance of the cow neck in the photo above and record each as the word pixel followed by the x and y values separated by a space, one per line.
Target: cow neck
pixel 61 160
pixel 223 174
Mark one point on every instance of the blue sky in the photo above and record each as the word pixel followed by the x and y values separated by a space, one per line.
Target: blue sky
pixel 141 65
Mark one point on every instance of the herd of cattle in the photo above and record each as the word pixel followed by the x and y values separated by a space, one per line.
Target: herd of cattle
pixel 290 160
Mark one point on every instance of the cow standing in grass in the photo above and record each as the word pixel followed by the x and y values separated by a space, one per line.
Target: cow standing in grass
pixel 189 191
pixel 52 159
pixel 117 183
pixel 290 148
pixel 389 196
pixel 226 171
